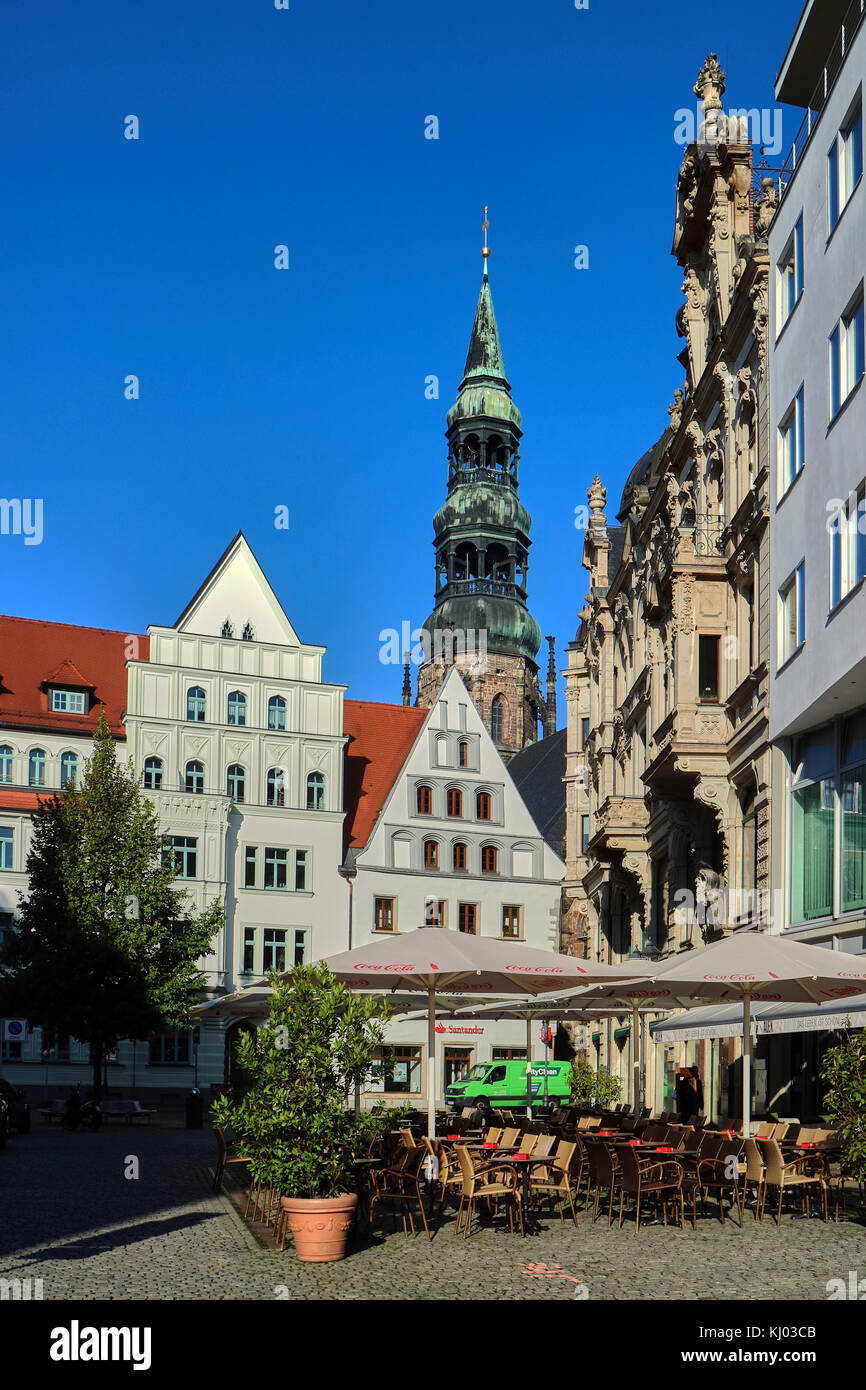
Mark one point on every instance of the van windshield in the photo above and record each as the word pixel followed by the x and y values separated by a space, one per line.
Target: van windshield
pixel 477 1072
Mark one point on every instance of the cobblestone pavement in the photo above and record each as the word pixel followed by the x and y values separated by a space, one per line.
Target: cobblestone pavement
pixel 72 1219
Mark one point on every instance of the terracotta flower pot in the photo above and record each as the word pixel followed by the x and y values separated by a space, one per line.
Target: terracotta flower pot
pixel 320 1225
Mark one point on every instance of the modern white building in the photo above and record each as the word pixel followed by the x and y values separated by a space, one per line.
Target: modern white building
pixel 437 834
pixel 818 476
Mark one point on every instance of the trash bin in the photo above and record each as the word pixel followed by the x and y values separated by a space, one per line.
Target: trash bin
pixel 194 1110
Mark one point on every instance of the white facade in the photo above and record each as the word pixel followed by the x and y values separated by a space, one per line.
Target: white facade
pixel 521 895
pixel 818 472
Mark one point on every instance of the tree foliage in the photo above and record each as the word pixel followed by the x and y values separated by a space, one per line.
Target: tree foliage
pixel 590 1087
pixel 843 1072
pixel 106 946
pixel 294 1118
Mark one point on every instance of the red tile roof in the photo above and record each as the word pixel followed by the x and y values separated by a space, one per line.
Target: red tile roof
pixel 11 800
pixel 380 740
pixel 34 653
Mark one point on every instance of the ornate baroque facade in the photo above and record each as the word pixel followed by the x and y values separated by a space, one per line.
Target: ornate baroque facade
pixel 668 777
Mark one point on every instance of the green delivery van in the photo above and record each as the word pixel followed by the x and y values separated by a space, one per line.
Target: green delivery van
pixel 502 1086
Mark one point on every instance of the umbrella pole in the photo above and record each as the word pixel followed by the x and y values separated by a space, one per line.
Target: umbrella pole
pixel 747 1065
pixel 546 1029
pixel 635 1059
pixel 431 1063
pixel 529 1068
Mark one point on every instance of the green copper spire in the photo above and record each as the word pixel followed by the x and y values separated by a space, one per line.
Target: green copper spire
pixel 484 358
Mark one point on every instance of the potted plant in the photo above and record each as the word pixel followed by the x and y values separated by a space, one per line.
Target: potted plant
pixel 590 1087
pixel 295 1117
pixel 843 1072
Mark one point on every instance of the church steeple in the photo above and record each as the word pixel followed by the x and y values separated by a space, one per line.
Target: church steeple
pixel 481 621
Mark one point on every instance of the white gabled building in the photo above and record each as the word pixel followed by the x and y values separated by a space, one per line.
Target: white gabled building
pixel 438 833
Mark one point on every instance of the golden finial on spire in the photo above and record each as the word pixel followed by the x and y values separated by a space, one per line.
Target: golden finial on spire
pixel 485 249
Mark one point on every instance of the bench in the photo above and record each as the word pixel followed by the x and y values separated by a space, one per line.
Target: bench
pixel 128 1110
pixel 55 1111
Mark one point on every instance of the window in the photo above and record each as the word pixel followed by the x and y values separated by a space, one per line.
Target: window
pixel 844 165
pixel 275 787
pixel 68 702
pixel 431 854
pixel 456 1063
pixel 227 630
pixel 383 914
pixel 249 961
pixel 708 667
pixel 236 782
pixel 300 952
pixel 789 277
pixel 196 704
pixel 36 768
pixel 467 918
pixel 497 719
pixel 7 844
pixel 276 712
pixel 584 834
pixel 853 813
pixel 68 768
pixel 276 868
pixel 273 950
pixel 180 850
pixel 315 792
pixel 434 912
pixel 508 1054
pixel 194 777
pixel 847 527
pixel 463 753
pixel 482 806
pixel 584 732
pixel 454 802
pixel 152 774
pixel 169 1049
pixel 791 444
pixel 424 801
pixel 459 858
pixel 251 856
pixel 813 827
pixel 401 1068
pixel 55 1046
pixel 237 708
pixel 301 865
pixel 510 921
pixel 792 615
pixel 7 763
pixel 846 354
pixel 489 859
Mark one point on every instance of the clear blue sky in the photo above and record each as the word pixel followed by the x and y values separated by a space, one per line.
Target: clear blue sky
pixel 305 387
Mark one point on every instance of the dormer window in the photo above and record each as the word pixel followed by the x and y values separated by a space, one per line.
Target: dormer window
pixel 67 701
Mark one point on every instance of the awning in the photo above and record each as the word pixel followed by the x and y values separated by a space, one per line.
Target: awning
pixel 726 1020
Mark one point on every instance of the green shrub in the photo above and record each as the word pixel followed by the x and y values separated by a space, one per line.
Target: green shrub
pixel 590 1087
pixel 843 1072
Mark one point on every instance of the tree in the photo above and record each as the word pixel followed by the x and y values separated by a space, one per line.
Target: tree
pixel 590 1087
pixel 843 1072
pixel 106 947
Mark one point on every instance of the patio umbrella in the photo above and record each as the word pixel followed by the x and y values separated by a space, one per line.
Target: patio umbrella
pixel 434 959
pixel 757 966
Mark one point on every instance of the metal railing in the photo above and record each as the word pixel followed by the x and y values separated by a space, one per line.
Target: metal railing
pixel 708 534
pixel 498 476
pixel 833 66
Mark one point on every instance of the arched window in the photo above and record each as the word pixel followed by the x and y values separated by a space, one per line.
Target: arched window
pixel 152 774
pixel 315 792
pixel 431 854
pixel 459 858
pixel 425 801
pixel 36 768
pixel 248 634
pixel 275 794
pixel 237 712
pixel 489 859
pixel 466 561
pixel 68 768
pixel 7 762
pixel 482 806
pixel 463 753
pixel 276 712
pixel 194 777
pixel 236 782
pixel 497 719
pixel 196 704
pixel 454 802
pixel 227 630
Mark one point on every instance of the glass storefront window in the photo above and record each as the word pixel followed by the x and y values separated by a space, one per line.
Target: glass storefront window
pixel 403 1072
pixel 853 839
pixel 812 852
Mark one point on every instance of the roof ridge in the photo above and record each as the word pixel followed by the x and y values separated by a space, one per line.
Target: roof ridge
pixel 76 627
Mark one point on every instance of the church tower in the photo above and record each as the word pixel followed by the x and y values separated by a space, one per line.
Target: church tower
pixel 480 620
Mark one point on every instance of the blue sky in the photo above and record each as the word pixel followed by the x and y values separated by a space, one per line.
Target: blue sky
pixel 305 387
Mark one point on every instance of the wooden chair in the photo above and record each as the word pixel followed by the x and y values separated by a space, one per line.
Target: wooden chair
pixel 544 1145
pixel 556 1179
pixel 526 1143
pixel 224 1157
pixel 401 1186
pixel 781 1174
pixel 509 1137
pixel 754 1173
pixel 492 1136
pixel 489 1182
pixel 607 1176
